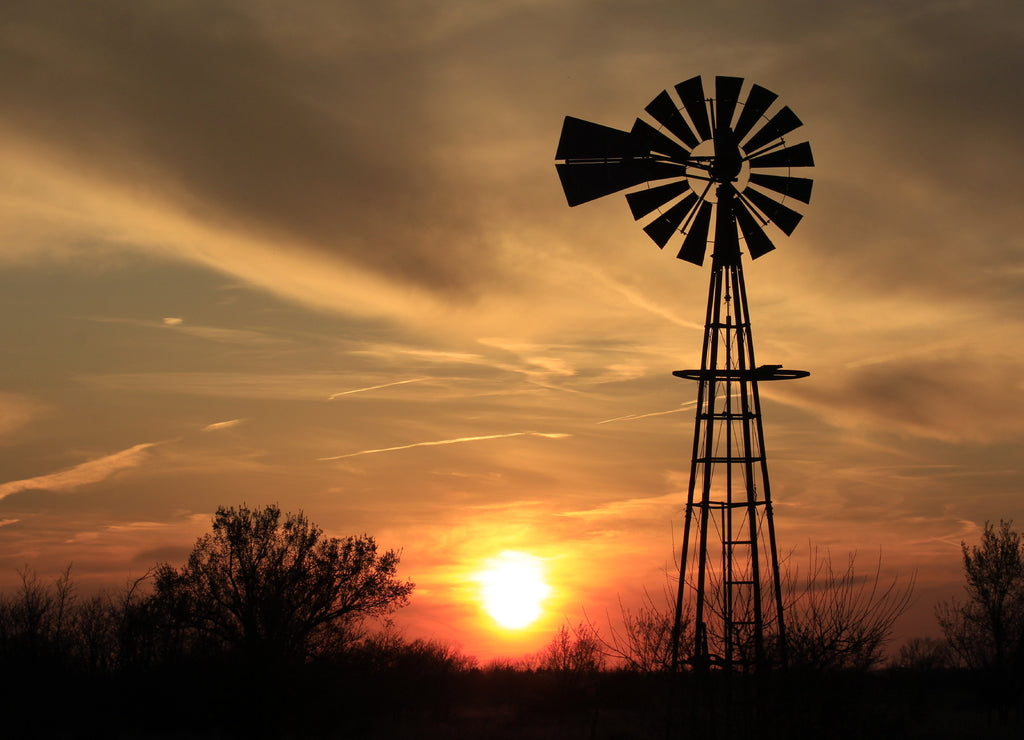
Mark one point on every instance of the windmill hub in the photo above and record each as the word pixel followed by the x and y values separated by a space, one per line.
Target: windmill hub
pixel 712 163
pixel 728 159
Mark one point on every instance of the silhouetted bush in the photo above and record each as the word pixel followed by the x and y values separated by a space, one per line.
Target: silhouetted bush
pixel 925 654
pixel 274 590
pixel 986 632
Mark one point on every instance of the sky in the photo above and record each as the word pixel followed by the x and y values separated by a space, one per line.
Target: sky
pixel 316 254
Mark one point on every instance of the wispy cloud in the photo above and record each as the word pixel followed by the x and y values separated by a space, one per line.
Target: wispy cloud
pixel 15 411
pixel 374 388
pixel 628 508
pixel 535 367
pixel 638 300
pixel 457 440
pixel 210 333
pixel 288 386
pixel 222 425
pixel 91 471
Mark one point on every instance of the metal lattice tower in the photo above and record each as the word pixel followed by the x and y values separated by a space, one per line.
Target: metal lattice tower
pixel 729 610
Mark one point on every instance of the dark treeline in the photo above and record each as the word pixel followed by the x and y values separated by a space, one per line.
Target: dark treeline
pixel 271 629
pixel 261 633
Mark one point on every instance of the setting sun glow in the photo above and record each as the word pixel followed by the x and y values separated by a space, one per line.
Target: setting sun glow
pixel 513 588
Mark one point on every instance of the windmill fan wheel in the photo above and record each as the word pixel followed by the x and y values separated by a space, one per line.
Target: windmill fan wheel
pixel 715 160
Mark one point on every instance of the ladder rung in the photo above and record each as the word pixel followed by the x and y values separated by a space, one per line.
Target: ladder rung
pixel 721 505
pixel 736 459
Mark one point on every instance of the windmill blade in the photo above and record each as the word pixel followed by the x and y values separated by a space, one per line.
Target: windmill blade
pixel 586 181
pixel 791 187
pixel 696 242
pixel 727 95
pixel 782 216
pixel 655 141
pixel 585 140
pixel 664 111
pixel 780 124
pixel 662 228
pixel 758 101
pixel 798 155
pixel 691 92
pixel 645 201
pixel 757 241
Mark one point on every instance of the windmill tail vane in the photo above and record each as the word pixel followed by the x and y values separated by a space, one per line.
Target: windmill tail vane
pixel 715 170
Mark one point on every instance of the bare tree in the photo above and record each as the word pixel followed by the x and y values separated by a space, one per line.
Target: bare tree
pixel 575 650
pixel 94 646
pixel 839 620
pixel 835 619
pixel 642 639
pixel 274 588
pixel 35 624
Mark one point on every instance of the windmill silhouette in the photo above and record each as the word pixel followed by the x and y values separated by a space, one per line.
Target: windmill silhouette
pixel 723 173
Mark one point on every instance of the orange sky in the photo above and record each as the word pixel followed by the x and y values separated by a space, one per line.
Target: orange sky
pixel 318 254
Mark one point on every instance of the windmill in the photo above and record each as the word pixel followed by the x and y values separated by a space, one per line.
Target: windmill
pixel 713 170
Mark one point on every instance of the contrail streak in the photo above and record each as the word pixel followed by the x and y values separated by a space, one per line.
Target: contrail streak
pixel 373 388
pixel 634 417
pixel 91 471
pixel 438 442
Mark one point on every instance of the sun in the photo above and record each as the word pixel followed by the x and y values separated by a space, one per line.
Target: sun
pixel 513 588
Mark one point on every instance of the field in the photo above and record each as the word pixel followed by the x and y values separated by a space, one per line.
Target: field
pixel 340 701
